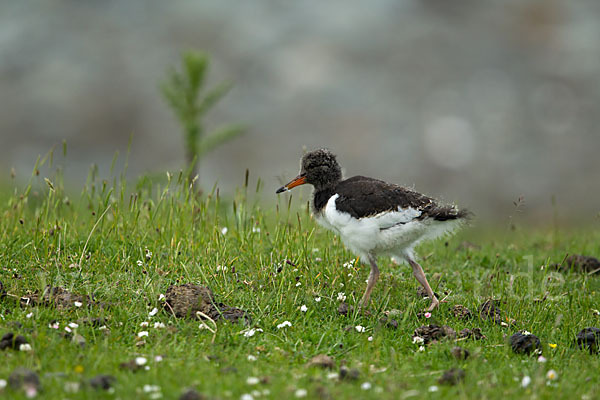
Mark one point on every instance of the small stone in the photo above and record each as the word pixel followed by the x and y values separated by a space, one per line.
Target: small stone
pixel 452 376
pixel 322 361
pixel 103 382
pixel 524 343
pixel 459 353
pixel 589 338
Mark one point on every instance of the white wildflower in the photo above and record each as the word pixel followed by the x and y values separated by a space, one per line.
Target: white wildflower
pixel 140 263
pixel 224 230
pixel 68 329
pixel 151 388
pixel 29 315
pixel 300 393
pixel 298 284
pixel 72 387
pixel 252 380
pixel 333 375
pixel 221 268
pixel 552 375
pixel 317 299
pixel 246 396
pixel 250 332
pixel 526 333
pixel 284 324
pixel 73 325
pixel 153 312
pixel 341 296
pixel 542 359
pixel 418 340
pixel 54 325
pixel 159 325
pixel 433 388
pixel 303 308
pixel 161 297
pixel 141 361
pixel 359 328
pixel 255 229
pixel 142 334
pixel 366 386
pixel 144 324
pixel 3 383
pixel 370 338
pixel 77 303
pixel 526 381
pixel 251 357
pixel 158 358
pixel 421 348
pixel 25 347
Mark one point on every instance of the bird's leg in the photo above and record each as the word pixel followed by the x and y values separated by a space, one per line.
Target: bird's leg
pixel 373 276
pixel 420 275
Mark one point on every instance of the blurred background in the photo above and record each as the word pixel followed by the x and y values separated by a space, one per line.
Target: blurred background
pixel 473 102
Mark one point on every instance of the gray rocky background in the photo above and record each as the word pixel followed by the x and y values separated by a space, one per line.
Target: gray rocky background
pixel 477 102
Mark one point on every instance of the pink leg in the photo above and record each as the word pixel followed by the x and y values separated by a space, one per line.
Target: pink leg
pixel 420 275
pixel 373 276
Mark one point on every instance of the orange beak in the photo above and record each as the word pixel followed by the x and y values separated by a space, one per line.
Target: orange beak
pixel 297 181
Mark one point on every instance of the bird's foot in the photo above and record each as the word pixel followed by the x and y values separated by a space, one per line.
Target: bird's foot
pixel 434 304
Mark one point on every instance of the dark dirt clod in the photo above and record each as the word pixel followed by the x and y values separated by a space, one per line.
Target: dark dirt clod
pixel 349 374
pixel 524 343
pixel 103 382
pixel 461 312
pixel 474 333
pixel 187 300
pixel 389 322
pixel 10 341
pixel 322 361
pixel 452 376
pixel 433 333
pixel 579 263
pixel 131 366
pixel 2 291
pixel 191 394
pixel 459 353
pixel 490 309
pixel 343 308
pixel 58 297
pixel 26 379
pixel 589 338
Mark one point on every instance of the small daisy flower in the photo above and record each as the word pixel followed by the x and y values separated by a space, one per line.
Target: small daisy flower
pixel 158 358
pixel 144 324
pixel 252 380
pixel 300 393
pixel 25 347
pixel 526 333
pixel 3 383
pixel 151 388
pixel 341 296
pixel 141 361
pixel 159 325
pixel 140 263
pixel 54 325
pixel 255 229
pixel 224 230
pixel 29 315
pixel 72 387
pixel 427 315
pixel 73 325
pixel 284 324
pixel 317 299
pixel 251 357
pixel 153 312
pixel 221 268
pixel 433 388
pixel 421 348
pixel 370 338
pixel 542 359
pixel 333 375
pixel 161 297
pixel 246 396
pixel 250 332
pixel 525 381
pixel 552 375
pixel 303 308
pixel 142 334
pixel 68 329
pixel 298 284
pixel 359 328
pixel 366 386
pixel 77 303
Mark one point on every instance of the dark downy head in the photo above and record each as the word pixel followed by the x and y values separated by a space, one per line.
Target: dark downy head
pixel 318 168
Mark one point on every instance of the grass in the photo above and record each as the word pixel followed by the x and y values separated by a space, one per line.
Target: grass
pixel 273 260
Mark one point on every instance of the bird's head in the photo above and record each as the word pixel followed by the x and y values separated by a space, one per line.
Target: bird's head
pixel 318 168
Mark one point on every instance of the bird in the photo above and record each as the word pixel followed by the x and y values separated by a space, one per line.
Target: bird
pixel 374 218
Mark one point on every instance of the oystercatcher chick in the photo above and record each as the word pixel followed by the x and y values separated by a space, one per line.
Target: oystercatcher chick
pixel 373 217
